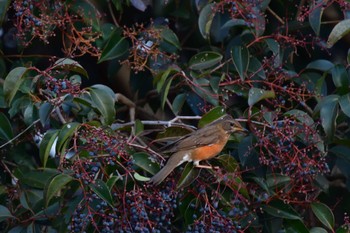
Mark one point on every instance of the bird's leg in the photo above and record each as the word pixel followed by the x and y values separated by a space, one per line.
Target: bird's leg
pixel 196 164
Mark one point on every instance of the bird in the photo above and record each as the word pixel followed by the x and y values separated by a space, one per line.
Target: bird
pixel 202 144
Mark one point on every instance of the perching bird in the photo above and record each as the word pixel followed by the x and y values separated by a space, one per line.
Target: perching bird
pixel 202 144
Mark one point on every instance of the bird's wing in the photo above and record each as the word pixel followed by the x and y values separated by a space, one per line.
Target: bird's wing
pixel 201 137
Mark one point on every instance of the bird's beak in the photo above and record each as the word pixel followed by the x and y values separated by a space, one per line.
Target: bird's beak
pixel 239 129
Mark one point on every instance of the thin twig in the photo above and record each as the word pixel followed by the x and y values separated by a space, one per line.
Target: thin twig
pixel 20 134
pixel 275 15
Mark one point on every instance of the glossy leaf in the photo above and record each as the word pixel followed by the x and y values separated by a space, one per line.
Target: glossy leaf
pixel 277 180
pixel 38 179
pixel 320 65
pixel 257 94
pixel 178 103
pixel 301 116
pixel 315 16
pixel 328 113
pixel 55 185
pixel 170 37
pixel 318 230
pixel 344 102
pixel 44 112
pixel 324 214
pixel 281 210
pixel 340 76
pixel 189 174
pixel 339 31
pixel 228 162
pixel 111 181
pixel 139 127
pixel 48 146
pixel 138 177
pixel 295 226
pixel 341 152
pixel 204 60
pixel 6 132
pixel 101 189
pixel 240 59
pixel 71 65
pixel 116 47
pixel 12 82
pixel 5 213
pixel 64 135
pixel 104 102
pixel 212 115
pixel 165 91
pixel 233 23
pixel 256 69
pixel 205 20
pixel 143 161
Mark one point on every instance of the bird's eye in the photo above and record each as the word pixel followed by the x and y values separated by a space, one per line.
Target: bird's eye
pixel 232 124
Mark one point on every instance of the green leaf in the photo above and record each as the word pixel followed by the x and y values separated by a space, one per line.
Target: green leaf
pixel 111 182
pixel 44 112
pixel 320 65
pixel 240 59
pixel 204 60
pixel 295 226
pixel 102 190
pixel 343 229
pixel 274 46
pixel 64 136
pixel 178 103
pixel 339 31
pixel 71 65
pixel 341 152
pixel 281 210
pixel 138 177
pixel 6 132
pixel 189 174
pixel 3 9
pixel 315 16
pixel 212 115
pixel 328 113
pixel 257 94
pixel 104 102
pixel 165 91
pixel 55 185
pixel 47 146
pixel 301 116
pixel 12 82
pixel 205 20
pixel 256 69
pixel 340 76
pixel 318 230
pixel 277 180
pixel 228 162
pixel 170 37
pixel 38 179
pixel 143 161
pixel 233 23
pixel 324 214
pixel 116 47
pixel 344 102
pixel 139 127
pixel 5 213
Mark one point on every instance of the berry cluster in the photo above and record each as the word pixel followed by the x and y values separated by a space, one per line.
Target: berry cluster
pixel 245 10
pixel 294 149
pixel 40 19
pixel 146 47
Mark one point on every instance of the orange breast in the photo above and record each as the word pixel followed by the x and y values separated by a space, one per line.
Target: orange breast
pixel 207 152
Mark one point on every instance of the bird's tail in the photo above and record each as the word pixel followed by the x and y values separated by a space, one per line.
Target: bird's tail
pixel 172 163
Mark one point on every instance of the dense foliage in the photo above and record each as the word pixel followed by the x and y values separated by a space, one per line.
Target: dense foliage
pixel 91 91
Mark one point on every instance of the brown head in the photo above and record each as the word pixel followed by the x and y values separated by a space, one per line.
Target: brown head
pixel 230 125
